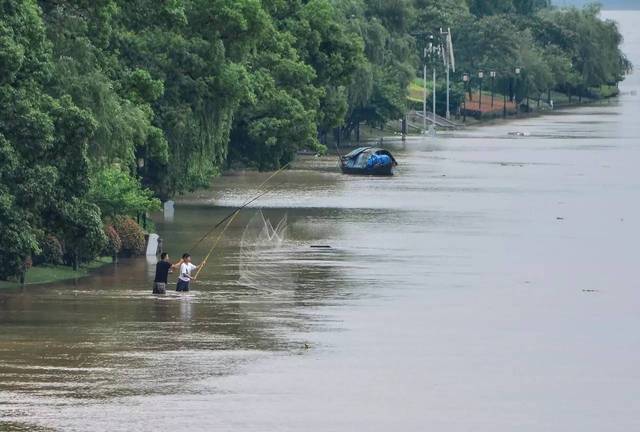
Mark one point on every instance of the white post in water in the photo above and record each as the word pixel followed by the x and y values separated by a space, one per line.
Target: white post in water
pixel 169 211
pixel 152 245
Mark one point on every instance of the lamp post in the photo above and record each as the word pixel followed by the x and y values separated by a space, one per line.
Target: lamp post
pixel 504 97
pixel 449 63
pixel 141 164
pixel 515 90
pixel 424 92
pixel 434 52
pixel 480 76
pixel 493 86
pixel 465 80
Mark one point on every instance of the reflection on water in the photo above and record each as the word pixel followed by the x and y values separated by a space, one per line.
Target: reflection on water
pixel 489 286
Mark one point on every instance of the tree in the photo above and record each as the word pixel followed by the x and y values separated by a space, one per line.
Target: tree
pixel 530 7
pixel 490 7
pixel 81 227
pixel 432 16
pixel 592 45
pixel 43 137
pixel 198 49
pixel 323 42
pixel 116 192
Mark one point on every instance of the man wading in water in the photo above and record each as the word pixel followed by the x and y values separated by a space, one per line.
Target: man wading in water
pixel 163 267
pixel 185 272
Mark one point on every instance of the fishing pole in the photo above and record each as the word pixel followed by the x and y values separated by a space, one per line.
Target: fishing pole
pixel 245 204
pixel 231 218
pixel 204 261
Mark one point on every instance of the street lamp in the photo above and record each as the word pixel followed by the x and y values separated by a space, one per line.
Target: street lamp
pixel 465 80
pixel 480 76
pixel 515 90
pixel 504 98
pixel 493 85
pixel 434 51
pixel 424 91
pixel 449 62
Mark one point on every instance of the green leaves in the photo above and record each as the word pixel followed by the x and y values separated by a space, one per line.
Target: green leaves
pixel 81 227
pixel 43 142
pixel 116 192
pixel 280 116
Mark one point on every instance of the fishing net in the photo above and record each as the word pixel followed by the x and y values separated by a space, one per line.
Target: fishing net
pixel 263 255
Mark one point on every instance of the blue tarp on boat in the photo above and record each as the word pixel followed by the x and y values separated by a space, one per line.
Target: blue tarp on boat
pixel 368 160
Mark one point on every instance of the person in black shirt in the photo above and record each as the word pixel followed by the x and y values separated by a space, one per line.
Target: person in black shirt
pixel 162 273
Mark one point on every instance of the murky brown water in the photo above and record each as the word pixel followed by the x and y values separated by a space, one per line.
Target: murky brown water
pixel 490 286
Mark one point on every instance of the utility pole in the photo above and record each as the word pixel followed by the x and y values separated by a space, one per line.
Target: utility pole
pixel 433 97
pixel 449 64
pixel 433 52
pixel 448 113
pixel 424 93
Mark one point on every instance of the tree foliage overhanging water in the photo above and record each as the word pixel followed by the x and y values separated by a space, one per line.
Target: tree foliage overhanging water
pixel 101 99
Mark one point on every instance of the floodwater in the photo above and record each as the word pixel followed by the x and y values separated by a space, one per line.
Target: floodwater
pixel 492 285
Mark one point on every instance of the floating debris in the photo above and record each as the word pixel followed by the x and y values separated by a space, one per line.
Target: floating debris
pixel 320 247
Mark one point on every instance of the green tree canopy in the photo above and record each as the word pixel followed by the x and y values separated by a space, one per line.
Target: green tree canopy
pixel 116 192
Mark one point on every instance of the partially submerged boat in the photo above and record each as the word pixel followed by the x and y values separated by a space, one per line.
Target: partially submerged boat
pixel 368 161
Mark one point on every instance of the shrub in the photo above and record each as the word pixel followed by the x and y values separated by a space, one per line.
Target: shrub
pixel 52 252
pixel 114 243
pixel 131 235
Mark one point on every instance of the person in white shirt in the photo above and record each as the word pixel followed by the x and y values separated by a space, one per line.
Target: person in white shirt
pixel 185 273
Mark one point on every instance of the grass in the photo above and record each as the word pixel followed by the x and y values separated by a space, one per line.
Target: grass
pixel 415 90
pixel 47 274
pixel 606 91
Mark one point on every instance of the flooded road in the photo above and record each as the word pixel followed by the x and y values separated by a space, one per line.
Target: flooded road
pixel 490 286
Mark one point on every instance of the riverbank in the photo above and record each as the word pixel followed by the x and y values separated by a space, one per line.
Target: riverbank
pixel 46 274
pixel 560 102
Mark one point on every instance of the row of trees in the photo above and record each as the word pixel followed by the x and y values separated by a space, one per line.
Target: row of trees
pixel 107 106
pixel 569 50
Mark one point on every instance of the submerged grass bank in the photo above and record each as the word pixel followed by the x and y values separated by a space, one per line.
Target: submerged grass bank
pixel 48 274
